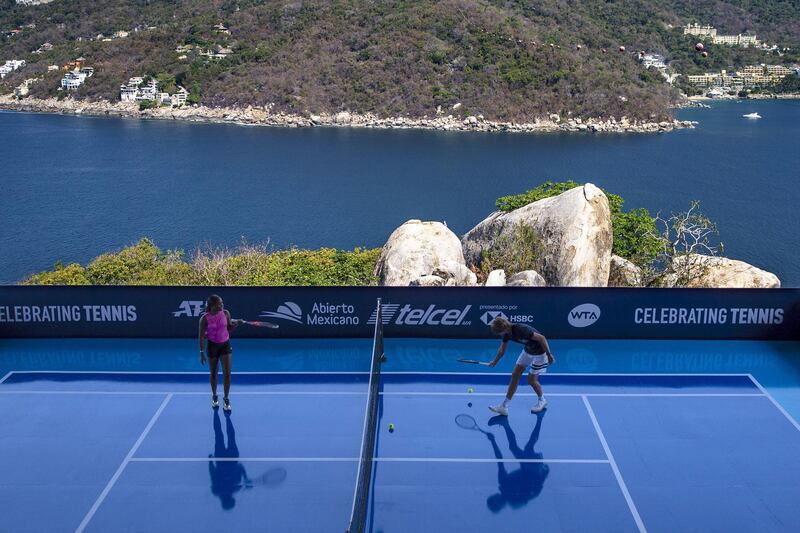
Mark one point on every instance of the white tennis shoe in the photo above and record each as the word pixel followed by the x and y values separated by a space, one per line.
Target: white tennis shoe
pixel 540 406
pixel 499 409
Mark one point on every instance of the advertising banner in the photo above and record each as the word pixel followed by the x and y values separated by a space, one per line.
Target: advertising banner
pixel 447 312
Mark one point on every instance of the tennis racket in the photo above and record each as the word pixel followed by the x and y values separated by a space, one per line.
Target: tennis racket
pixel 474 362
pixel 465 421
pixel 259 324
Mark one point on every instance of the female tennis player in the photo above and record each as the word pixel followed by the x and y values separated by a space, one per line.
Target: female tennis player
pixel 535 356
pixel 215 327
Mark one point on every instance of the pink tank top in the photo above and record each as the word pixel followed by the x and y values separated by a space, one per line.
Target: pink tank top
pixel 217 329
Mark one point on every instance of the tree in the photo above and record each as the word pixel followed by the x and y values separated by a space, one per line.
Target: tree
pixel 685 241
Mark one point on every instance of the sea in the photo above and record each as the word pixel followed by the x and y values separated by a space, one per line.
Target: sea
pixel 72 188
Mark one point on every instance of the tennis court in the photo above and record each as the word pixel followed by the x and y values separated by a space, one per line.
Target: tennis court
pixel 119 435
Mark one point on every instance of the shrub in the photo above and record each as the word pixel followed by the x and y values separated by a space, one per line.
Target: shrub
pixel 145 264
pixel 72 274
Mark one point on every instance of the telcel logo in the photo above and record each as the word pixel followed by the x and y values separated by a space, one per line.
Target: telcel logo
pixel 583 315
pixel 432 316
pixel 190 308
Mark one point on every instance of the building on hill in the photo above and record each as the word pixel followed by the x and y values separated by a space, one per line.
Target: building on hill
pixel 24 88
pixel 737 40
pixel 730 40
pixel 76 77
pixel 10 66
pixel 138 91
pixel 700 31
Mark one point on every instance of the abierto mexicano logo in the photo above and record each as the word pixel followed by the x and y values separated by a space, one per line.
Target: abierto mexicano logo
pixel 286 311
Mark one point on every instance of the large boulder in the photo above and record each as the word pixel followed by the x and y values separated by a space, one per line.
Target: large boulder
pixel 417 249
pixel 526 278
pixel 575 232
pixel 624 273
pixel 697 270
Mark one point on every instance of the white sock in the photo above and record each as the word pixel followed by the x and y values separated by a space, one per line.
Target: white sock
pixel 506 401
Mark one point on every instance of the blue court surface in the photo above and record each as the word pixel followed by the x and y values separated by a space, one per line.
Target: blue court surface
pixel 119 435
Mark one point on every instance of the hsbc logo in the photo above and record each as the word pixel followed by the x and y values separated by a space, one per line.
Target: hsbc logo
pixel 583 315
pixel 190 308
pixel 488 316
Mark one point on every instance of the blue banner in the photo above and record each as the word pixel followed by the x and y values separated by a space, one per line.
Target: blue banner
pixel 448 312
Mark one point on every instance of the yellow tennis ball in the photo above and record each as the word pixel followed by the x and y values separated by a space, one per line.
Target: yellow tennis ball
pixel 469 390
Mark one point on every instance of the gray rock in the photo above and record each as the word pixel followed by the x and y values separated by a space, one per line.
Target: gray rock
pixel 575 229
pixel 427 281
pixel 496 278
pixel 720 272
pixel 623 273
pixel 526 278
pixel 455 274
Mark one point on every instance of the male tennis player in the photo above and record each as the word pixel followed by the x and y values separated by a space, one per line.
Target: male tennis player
pixel 535 355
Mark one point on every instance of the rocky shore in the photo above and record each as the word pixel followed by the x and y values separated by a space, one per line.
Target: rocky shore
pixel 265 116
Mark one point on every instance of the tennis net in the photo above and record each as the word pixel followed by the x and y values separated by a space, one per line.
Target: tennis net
pixel 358 517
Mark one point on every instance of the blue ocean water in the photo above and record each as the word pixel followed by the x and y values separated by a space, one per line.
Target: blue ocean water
pixel 75 187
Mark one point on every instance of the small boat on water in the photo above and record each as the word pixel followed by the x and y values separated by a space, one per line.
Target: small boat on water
pixel 752 115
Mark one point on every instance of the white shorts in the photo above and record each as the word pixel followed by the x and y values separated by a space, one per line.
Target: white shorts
pixel 537 364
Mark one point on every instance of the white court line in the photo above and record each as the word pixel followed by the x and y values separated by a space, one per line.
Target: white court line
pixel 775 403
pixel 385 372
pixel 236 459
pixel 615 468
pixel 189 393
pixel 399 393
pixel 580 394
pixel 6 376
pixel 122 466
pixel 354 459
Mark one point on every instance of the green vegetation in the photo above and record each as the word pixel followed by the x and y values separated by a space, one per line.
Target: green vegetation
pixel 789 85
pixel 393 58
pixel 521 250
pixel 145 264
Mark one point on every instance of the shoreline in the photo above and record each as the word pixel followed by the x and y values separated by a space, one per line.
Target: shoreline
pixel 790 96
pixel 263 116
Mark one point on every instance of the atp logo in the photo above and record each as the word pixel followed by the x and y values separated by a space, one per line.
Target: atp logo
pixel 286 311
pixel 190 308
pixel 583 315
pixel 488 316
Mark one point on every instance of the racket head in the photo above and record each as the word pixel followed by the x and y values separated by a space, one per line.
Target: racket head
pixel 465 421
pixel 473 362
pixel 260 324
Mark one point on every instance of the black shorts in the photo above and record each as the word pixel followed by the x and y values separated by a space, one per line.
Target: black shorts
pixel 215 349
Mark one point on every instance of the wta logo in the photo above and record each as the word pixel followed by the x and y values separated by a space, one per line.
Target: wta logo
pixel 583 315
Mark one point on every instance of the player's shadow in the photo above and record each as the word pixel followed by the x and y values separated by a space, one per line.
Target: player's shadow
pixel 228 476
pixel 518 487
